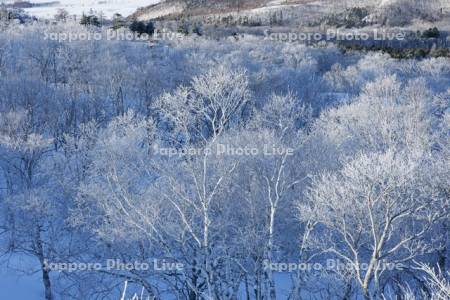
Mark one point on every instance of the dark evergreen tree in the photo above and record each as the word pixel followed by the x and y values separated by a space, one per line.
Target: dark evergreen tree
pixel 117 21
pixel 90 20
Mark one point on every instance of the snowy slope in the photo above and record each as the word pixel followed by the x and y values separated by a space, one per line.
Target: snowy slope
pixel 78 7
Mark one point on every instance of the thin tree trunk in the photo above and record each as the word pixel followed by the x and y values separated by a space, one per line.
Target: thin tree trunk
pixel 366 293
pixel 45 272
pixel 442 253
pixel 247 290
pixel 47 284
pixel 269 272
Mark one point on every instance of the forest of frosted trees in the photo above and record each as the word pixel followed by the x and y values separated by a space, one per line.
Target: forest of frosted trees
pixel 109 150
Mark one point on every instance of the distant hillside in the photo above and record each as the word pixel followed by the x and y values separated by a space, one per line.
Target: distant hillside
pixel 162 9
pixel 202 7
pixel 388 12
pixel 402 12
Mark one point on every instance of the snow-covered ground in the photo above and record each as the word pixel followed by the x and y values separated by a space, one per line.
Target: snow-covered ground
pixel 17 285
pixel 78 7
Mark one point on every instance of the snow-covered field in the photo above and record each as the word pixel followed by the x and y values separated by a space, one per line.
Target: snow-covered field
pixel 19 285
pixel 78 7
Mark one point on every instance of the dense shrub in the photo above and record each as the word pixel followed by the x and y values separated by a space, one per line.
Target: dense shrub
pixel 353 17
pixel 90 20
pixel 431 33
pixel 142 28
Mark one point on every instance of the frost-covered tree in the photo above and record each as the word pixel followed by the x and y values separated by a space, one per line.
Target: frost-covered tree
pixel 28 207
pixel 130 133
pixel 276 132
pixel 377 210
pixel 215 100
